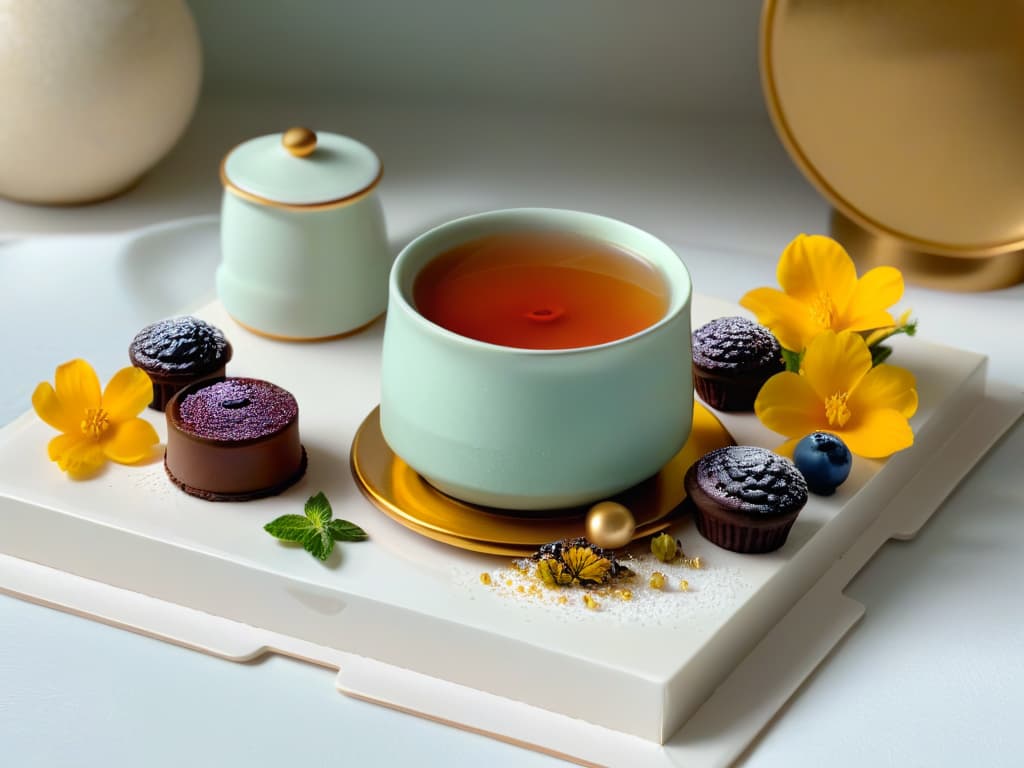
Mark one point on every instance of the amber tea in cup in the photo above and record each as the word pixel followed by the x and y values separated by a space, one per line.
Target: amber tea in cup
pixel 541 290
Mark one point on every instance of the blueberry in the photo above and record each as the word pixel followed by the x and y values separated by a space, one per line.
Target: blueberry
pixel 824 461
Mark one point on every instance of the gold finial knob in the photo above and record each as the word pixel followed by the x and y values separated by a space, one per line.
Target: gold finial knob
pixel 300 142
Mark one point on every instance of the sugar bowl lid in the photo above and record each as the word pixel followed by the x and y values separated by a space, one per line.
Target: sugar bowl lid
pixel 301 169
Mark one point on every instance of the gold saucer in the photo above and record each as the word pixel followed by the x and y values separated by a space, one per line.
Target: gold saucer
pixel 397 490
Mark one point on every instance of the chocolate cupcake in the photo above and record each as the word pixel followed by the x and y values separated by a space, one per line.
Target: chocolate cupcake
pixel 745 499
pixel 177 352
pixel 732 359
pixel 233 440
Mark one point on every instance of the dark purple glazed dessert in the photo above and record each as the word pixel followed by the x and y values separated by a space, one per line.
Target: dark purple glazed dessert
pixel 732 359
pixel 233 440
pixel 177 352
pixel 745 499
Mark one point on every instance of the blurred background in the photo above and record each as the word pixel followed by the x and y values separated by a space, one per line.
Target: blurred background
pixel 670 57
pixel 648 111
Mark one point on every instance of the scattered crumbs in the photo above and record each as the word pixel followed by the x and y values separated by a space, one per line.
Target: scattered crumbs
pixel 151 480
pixel 691 587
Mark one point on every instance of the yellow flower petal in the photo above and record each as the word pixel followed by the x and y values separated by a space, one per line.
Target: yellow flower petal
pixel 815 264
pixel 876 434
pixel 130 441
pixel 885 386
pixel 882 333
pixel 869 321
pixel 876 291
pixel 50 409
pixel 78 388
pixel 787 404
pixel 127 394
pixel 59 446
pixel 835 363
pixel 879 334
pixel 76 454
pixel 789 320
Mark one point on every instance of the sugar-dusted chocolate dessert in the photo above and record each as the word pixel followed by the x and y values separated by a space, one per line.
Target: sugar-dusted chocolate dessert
pixel 177 352
pixel 732 359
pixel 745 498
pixel 233 439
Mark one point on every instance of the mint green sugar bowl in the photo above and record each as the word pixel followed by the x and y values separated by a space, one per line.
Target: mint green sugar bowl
pixel 304 251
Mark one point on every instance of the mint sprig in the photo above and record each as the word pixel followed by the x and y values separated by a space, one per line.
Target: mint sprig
pixel 315 530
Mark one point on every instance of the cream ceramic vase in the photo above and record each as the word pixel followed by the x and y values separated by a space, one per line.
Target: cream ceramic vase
pixel 95 93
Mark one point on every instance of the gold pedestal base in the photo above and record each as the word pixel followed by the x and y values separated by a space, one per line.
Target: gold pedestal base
pixel 946 273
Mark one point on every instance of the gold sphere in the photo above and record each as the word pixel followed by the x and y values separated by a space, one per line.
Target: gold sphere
pixel 610 525
pixel 299 141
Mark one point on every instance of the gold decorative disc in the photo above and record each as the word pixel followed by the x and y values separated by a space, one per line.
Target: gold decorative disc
pixel 396 489
pixel 906 116
pixel 947 273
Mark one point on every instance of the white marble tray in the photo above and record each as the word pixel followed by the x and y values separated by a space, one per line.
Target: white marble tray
pixel 404 618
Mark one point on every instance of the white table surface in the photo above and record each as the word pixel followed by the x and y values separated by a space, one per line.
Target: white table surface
pixel 934 674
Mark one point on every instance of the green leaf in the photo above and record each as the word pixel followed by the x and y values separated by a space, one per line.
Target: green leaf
pixel 343 530
pixel 792 360
pixel 315 531
pixel 319 543
pixel 318 510
pixel 289 528
pixel 879 354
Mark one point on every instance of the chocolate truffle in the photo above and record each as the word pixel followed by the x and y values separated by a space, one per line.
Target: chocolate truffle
pixel 233 439
pixel 732 359
pixel 745 499
pixel 177 352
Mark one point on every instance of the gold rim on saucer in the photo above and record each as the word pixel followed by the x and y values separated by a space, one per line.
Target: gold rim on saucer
pixel 906 117
pixel 398 491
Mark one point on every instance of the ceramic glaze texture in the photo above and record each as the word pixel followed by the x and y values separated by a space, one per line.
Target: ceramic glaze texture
pixel 303 275
pixel 303 240
pixel 535 429
pixel 94 94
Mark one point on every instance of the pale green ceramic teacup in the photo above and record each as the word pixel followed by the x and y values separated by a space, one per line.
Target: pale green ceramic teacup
pixel 532 429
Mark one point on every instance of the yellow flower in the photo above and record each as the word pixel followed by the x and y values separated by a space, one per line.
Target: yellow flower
pixel 821 292
pixel 838 391
pixel 94 426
